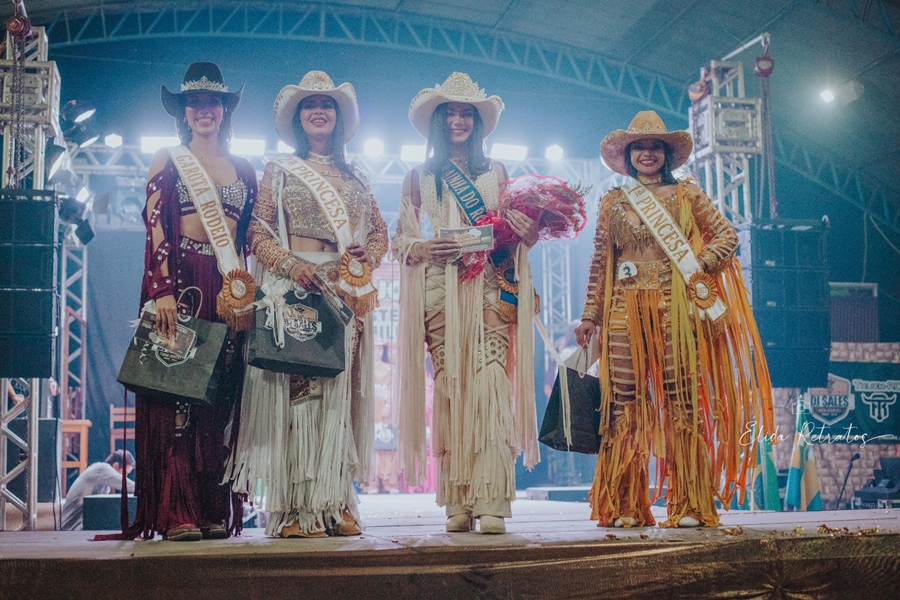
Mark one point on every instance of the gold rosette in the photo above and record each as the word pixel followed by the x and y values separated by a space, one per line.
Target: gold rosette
pixel 354 271
pixel 234 302
pixel 355 285
pixel 703 290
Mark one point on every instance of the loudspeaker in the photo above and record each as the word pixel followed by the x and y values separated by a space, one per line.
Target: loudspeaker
pixel 787 273
pixel 49 458
pixel 28 217
pixel 27 356
pixel 102 512
pixel 28 277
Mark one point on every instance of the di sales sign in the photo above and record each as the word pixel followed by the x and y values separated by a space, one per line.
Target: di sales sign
pixel 860 405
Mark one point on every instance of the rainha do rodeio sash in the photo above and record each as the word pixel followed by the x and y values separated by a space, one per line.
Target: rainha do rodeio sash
pixel 472 203
pixel 234 302
pixel 355 285
pixel 702 288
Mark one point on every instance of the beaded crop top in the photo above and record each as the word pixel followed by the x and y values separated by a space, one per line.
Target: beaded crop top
pixel 233 196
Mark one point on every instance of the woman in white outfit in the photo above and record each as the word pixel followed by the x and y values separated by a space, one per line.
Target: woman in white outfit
pixel 303 441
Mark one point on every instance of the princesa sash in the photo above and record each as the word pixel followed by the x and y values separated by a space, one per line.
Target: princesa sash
pixel 463 189
pixel 234 302
pixel 355 285
pixel 701 286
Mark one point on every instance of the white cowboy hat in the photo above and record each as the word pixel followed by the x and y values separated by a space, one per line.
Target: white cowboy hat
pixel 646 125
pixel 459 87
pixel 314 83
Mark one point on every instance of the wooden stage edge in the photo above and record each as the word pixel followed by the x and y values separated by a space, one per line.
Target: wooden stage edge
pixel 551 550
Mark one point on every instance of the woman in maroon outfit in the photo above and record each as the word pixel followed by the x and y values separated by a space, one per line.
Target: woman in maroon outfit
pixel 182 447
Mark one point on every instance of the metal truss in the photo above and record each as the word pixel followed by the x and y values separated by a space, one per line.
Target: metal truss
pixel 41 116
pixel 29 464
pixel 319 22
pixel 847 183
pixel 877 15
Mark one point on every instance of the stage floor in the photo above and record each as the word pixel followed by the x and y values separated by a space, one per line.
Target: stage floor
pixel 551 550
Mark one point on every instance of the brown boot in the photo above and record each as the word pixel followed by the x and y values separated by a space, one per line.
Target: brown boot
pixel 215 532
pixel 186 532
pixel 349 526
pixel 293 531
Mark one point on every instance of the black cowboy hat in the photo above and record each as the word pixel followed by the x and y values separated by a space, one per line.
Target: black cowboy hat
pixel 200 77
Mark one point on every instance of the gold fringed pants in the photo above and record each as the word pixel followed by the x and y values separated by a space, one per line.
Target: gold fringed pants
pixel 650 411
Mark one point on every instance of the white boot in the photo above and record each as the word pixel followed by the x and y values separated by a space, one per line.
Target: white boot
pixel 688 522
pixel 460 523
pixel 490 524
pixel 625 522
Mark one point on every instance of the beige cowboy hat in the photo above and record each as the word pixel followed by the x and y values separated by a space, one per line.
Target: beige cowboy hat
pixel 459 87
pixel 646 125
pixel 314 83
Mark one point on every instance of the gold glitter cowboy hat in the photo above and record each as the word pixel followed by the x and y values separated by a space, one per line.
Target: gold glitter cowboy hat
pixel 646 125
pixel 200 77
pixel 459 87
pixel 315 83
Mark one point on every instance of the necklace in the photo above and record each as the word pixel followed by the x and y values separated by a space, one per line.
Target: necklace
pixel 650 180
pixel 319 159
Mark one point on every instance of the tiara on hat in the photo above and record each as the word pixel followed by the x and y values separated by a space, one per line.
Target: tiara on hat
pixel 203 85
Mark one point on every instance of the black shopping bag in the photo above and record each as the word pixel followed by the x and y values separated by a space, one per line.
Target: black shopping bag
pixel 186 370
pixel 584 400
pixel 314 327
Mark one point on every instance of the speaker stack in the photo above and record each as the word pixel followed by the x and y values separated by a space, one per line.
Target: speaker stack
pixel 787 274
pixel 28 281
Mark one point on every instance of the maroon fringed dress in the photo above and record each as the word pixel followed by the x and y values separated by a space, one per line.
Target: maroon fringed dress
pixel 180 470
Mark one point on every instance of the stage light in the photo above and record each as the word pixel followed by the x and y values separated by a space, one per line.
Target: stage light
pixel 71 210
pixel 151 143
pixel 82 195
pixel 76 111
pixel 54 158
pixel 827 95
pixel 81 135
pixel 554 153
pixel 113 140
pixel 850 91
pixel 373 148
pixel 248 147
pixel 509 152
pixel 284 148
pixel 412 153
pixel 130 209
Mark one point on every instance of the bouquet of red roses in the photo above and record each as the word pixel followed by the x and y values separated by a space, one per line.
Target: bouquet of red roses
pixel 557 206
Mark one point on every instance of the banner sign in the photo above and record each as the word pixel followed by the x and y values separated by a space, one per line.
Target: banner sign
pixel 859 406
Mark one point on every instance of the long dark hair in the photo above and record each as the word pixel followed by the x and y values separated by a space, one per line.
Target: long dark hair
pixel 438 148
pixel 666 170
pixel 337 138
pixel 185 135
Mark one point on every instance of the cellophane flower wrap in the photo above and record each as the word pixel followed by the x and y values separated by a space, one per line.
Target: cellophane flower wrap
pixel 558 207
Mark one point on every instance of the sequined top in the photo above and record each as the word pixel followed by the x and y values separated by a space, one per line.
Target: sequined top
pixel 616 235
pixel 304 218
pixel 233 197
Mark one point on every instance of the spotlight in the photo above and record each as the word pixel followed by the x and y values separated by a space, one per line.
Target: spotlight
pixel 71 210
pixel 698 90
pixel 130 209
pixel 509 152
pixel 76 111
pixel 248 147
pixel 81 135
pixel 554 153
pixel 373 148
pixel 151 143
pixel 412 153
pixel 850 91
pixel 284 148
pixel 54 157
pixel 113 140
pixel 827 95
pixel 83 232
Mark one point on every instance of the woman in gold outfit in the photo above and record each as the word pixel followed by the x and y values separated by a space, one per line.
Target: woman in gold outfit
pixel 307 439
pixel 682 375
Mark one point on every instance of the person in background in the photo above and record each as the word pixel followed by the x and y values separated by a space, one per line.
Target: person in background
pixel 99 478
